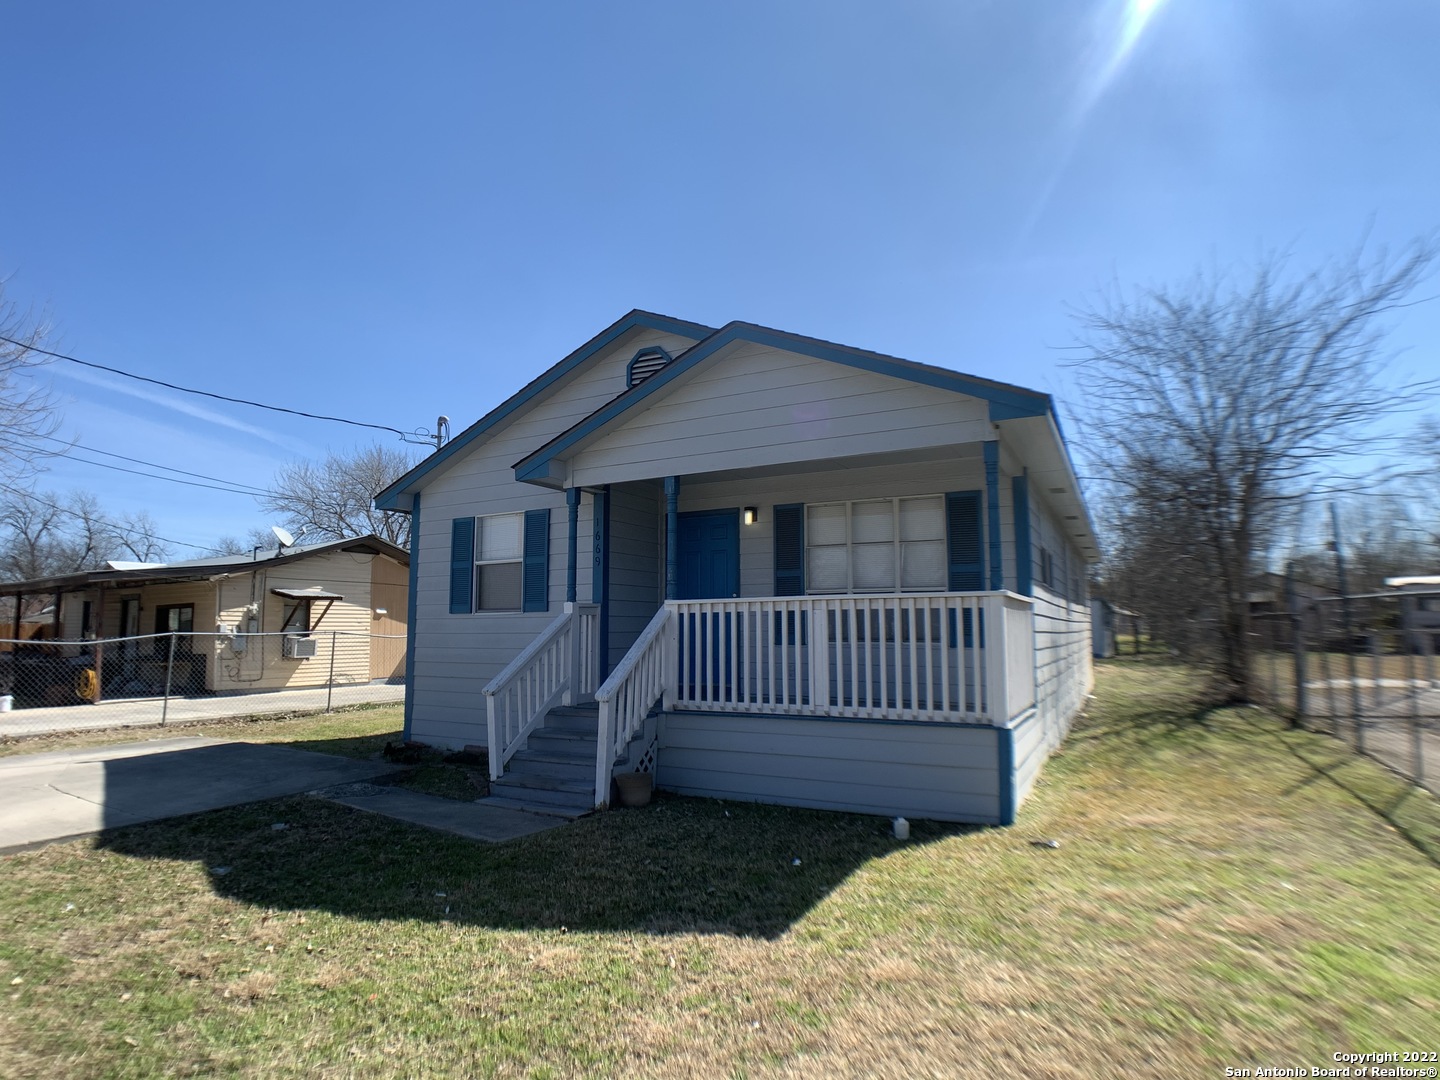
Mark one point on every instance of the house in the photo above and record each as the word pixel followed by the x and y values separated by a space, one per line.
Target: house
pixel 1103 617
pixel 268 620
pixel 1419 612
pixel 761 566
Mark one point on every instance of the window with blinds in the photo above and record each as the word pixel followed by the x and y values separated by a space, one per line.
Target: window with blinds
pixel 876 545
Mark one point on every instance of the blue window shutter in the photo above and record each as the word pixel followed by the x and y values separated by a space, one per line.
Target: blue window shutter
pixel 1024 556
pixel 789 549
pixel 462 566
pixel 962 541
pixel 537 560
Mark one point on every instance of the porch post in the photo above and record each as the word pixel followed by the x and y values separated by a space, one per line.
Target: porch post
pixel 572 504
pixel 19 603
pixel 672 538
pixel 992 511
pixel 55 618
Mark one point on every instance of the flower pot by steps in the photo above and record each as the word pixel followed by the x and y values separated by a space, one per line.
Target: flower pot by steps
pixel 634 788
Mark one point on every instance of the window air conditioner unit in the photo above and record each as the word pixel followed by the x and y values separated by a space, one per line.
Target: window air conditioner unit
pixel 299 647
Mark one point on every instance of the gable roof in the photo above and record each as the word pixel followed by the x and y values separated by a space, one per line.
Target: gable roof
pixel 202 569
pixel 1005 401
pixel 391 497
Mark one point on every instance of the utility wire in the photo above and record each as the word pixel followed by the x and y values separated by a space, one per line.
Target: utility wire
pixel 203 393
pixel 248 489
pixel 66 510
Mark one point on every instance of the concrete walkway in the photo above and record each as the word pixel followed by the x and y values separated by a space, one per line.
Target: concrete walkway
pixel 45 798
pixel 150 712
pixel 68 793
pixel 476 820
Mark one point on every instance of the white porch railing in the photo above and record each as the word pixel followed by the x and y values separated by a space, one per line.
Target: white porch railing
pixel 931 656
pixel 559 666
pixel 631 691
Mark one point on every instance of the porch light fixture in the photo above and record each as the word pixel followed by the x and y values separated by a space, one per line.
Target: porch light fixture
pixel 752 515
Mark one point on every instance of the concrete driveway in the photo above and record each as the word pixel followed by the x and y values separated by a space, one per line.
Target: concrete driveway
pixel 68 793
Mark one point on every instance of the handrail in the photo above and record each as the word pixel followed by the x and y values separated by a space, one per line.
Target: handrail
pixel 627 665
pixel 644 677
pixel 558 666
pixel 508 673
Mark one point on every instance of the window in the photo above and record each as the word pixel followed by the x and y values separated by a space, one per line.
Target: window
pixel 499 564
pixel 176 619
pixel 1047 569
pixel 296 619
pixel 876 545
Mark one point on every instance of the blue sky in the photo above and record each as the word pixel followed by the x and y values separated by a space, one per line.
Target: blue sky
pixel 387 212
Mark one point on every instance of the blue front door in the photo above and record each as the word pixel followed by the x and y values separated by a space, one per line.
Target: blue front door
pixel 708 553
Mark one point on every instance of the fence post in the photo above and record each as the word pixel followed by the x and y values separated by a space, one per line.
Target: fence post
pixel 169 673
pixel 1416 737
pixel 330 682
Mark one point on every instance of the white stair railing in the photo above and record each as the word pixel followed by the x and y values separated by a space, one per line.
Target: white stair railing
pixel 644 677
pixel 558 666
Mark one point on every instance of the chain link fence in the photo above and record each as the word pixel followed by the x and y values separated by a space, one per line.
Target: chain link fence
pixel 1362 668
pixel 159 679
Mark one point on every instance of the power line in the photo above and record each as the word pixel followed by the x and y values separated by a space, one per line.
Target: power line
pixel 230 485
pixel 113 525
pixel 204 393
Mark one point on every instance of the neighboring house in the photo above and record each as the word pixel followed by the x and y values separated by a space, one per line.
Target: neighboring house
pixel 785 569
pixel 1419 612
pixel 1103 616
pixel 240 623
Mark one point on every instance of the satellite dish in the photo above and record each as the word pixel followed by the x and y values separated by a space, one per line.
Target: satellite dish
pixel 282 535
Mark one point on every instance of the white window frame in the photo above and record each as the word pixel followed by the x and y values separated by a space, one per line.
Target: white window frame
pixel 518 560
pixel 896 542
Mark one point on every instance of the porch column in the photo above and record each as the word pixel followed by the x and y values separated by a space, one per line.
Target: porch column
pixel 672 538
pixel 55 619
pixel 19 603
pixel 992 511
pixel 572 504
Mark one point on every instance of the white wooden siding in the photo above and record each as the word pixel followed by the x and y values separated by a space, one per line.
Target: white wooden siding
pixel 1063 671
pixel 456 655
pixel 755 406
pixel 939 771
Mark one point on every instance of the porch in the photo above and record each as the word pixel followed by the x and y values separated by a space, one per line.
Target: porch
pixel 934 660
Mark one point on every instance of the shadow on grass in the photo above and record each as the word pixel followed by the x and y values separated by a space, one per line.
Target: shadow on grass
pixel 1385 794
pixel 1134 728
pixel 679 865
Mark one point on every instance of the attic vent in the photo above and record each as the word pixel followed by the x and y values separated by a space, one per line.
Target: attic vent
pixel 645 363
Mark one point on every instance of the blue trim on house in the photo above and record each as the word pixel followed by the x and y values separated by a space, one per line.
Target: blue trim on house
pixel 1005 766
pixel 992 511
pixel 390 498
pixel 672 536
pixel 410 618
pixel 1005 402
pixel 572 550
pixel 646 353
pixel 1024 556
pixel 602 576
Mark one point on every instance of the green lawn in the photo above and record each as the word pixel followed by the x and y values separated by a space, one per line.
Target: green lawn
pixel 1225 892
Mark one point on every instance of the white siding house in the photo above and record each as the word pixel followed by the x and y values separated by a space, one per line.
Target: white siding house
pixel 759 565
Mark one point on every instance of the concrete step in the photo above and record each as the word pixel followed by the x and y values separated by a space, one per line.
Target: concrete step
pixel 568 719
pixel 566 812
pixel 561 739
pixel 544 798
pixel 526 764
pixel 557 754
pixel 531 779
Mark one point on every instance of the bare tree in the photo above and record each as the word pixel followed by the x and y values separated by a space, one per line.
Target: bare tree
pixel 1214 407
pixel 235 545
pixel 43 534
pixel 335 500
pixel 27 411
